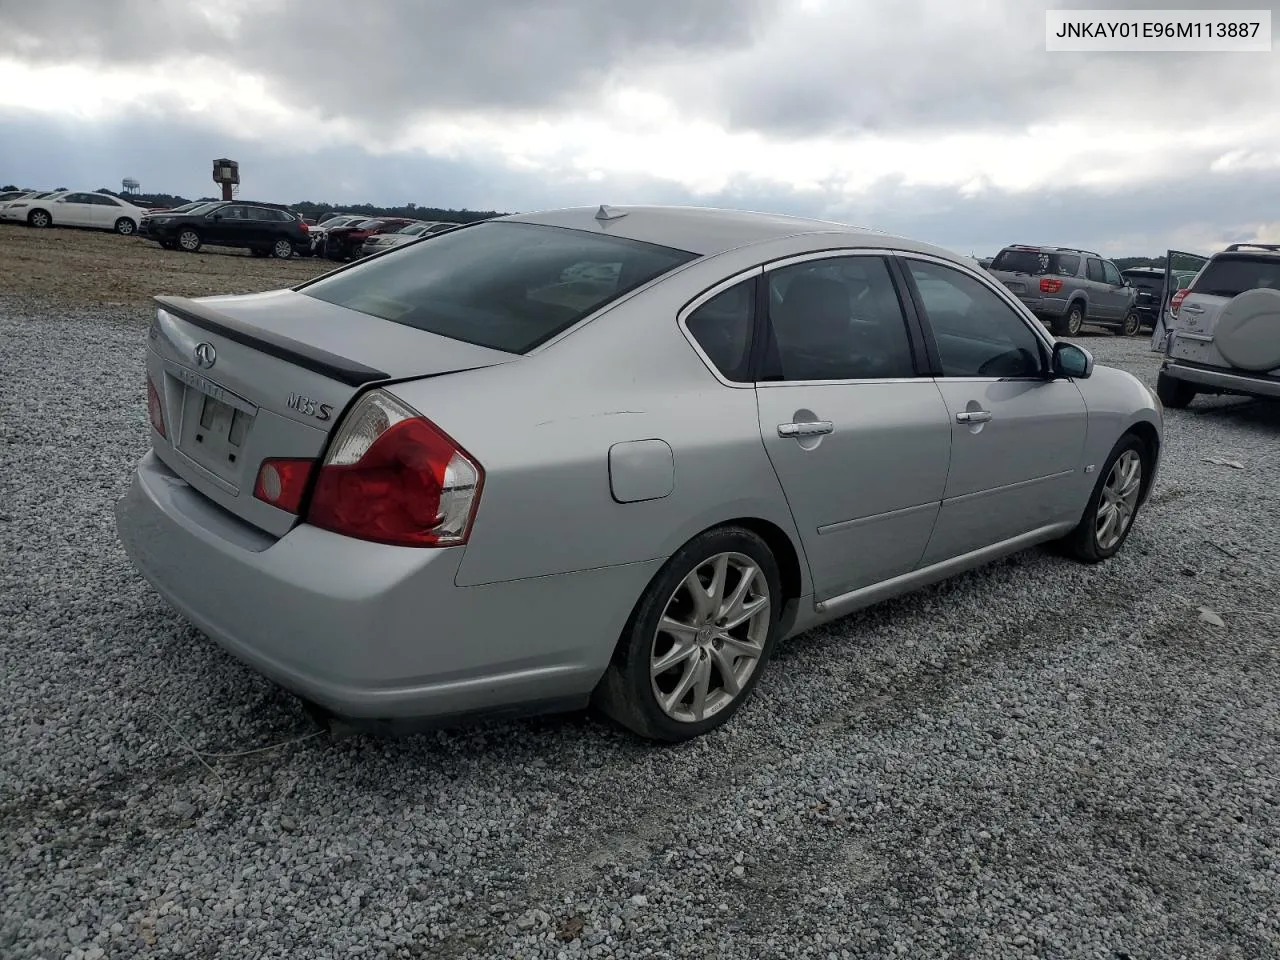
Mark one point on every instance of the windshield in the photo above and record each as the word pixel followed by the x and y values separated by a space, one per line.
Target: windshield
pixel 506 286
pixel 1231 276
pixel 1036 262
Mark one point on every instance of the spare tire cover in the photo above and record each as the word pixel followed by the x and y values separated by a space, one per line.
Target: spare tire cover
pixel 1248 330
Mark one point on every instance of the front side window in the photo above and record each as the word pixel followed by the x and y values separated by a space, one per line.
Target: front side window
pixel 977 333
pixel 506 286
pixel 722 327
pixel 836 319
pixel 1111 273
pixel 1095 271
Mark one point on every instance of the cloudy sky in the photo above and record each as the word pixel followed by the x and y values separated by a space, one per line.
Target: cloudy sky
pixel 942 119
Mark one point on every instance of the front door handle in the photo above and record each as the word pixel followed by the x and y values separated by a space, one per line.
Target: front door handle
pixel 813 428
pixel 973 416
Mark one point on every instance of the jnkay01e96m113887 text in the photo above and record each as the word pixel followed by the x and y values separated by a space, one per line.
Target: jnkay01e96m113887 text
pixel 1206 31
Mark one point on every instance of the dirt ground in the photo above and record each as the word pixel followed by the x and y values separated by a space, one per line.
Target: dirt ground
pixel 95 268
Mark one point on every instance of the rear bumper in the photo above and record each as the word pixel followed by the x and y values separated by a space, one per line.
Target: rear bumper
pixel 1255 385
pixel 366 630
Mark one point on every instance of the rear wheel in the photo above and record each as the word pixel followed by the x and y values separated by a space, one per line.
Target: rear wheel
pixel 1069 324
pixel 1174 393
pixel 696 643
pixel 39 218
pixel 1132 324
pixel 282 249
pixel 189 240
pixel 1109 516
pixel 125 227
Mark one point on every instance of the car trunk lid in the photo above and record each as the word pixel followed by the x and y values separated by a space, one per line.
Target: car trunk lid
pixel 247 378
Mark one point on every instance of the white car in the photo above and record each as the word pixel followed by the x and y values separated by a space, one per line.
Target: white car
pixel 67 208
pixel 8 200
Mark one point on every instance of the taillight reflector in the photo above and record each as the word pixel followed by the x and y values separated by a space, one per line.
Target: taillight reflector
pixel 154 410
pixel 392 476
pixel 1176 302
pixel 1048 285
pixel 282 482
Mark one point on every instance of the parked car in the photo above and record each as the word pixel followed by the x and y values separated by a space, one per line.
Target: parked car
pixel 385 241
pixel 1225 337
pixel 346 241
pixel 1149 288
pixel 263 229
pixel 318 234
pixel 19 214
pixel 406 471
pixel 1067 288
pixel 67 208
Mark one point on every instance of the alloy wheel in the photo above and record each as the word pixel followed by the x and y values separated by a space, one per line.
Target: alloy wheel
pixel 1119 499
pixel 710 637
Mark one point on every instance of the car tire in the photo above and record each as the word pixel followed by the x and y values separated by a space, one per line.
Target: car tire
pixel 1117 495
pixel 1069 324
pixel 1174 393
pixel 282 249
pixel 125 227
pixel 39 219
pixel 711 666
pixel 188 240
pixel 1132 325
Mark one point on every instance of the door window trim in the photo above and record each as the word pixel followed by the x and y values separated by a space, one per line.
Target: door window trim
pixel 710 293
pixel 1020 310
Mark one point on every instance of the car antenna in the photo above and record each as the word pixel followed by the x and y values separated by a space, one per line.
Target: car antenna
pixel 606 213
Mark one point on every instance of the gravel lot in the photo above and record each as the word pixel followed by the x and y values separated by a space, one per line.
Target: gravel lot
pixel 1037 760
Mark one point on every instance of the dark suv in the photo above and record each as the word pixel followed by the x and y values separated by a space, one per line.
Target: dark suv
pixel 1067 288
pixel 265 229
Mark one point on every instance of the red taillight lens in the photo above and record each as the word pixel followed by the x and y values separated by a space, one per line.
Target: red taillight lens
pixel 1176 302
pixel 282 482
pixel 1048 285
pixel 392 476
pixel 154 410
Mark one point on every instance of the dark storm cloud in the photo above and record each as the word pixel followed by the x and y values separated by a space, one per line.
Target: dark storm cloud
pixel 390 58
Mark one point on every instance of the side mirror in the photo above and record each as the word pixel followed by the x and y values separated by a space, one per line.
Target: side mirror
pixel 215 216
pixel 1072 361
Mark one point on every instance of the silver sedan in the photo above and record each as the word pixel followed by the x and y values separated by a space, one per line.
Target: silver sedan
pixel 608 456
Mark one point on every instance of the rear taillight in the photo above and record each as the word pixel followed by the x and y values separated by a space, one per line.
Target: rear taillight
pixel 1048 285
pixel 154 410
pixel 282 482
pixel 1176 302
pixel 392 476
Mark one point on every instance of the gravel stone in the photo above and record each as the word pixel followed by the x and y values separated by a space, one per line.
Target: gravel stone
pixel 1040 759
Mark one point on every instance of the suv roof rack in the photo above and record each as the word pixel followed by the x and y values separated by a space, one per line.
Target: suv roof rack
pixel 1044 247
pixel 1269 247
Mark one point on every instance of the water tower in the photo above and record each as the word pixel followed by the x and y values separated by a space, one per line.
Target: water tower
pixel 130 185
pixel 227 173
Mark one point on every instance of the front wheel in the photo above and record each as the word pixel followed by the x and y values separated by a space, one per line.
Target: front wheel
pixel 1109 516
pixel 282 249
pixel 125 227
pixel 697 641
pixel 189 240
pixel 1132 324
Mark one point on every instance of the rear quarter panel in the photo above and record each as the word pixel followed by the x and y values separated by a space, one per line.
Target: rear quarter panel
pixel 542 426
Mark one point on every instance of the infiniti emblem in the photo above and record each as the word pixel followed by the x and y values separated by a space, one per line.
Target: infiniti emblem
pixel 205 355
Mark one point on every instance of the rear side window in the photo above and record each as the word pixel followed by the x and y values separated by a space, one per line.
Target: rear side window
pixel 506 286
pixel 1231 276
pixel 1036 262
pixel 722 327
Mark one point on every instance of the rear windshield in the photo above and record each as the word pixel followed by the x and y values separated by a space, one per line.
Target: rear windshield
pixel 506 286
pixel 1149 281
pixel 1035 262
pixel 1230 276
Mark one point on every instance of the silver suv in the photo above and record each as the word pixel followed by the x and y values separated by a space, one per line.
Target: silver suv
pixel 1225 332
pixel 1067 288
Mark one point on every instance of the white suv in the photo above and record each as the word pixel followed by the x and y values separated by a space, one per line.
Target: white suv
pixel 1225 336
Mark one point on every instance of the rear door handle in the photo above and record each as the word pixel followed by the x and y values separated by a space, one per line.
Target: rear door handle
pixel 813 428
pixel 1193 308
pixel 973 416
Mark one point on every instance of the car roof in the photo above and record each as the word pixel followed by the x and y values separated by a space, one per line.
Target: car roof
pixel 708 231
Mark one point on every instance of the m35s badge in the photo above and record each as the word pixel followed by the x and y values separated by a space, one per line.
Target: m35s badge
pixel 310 407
